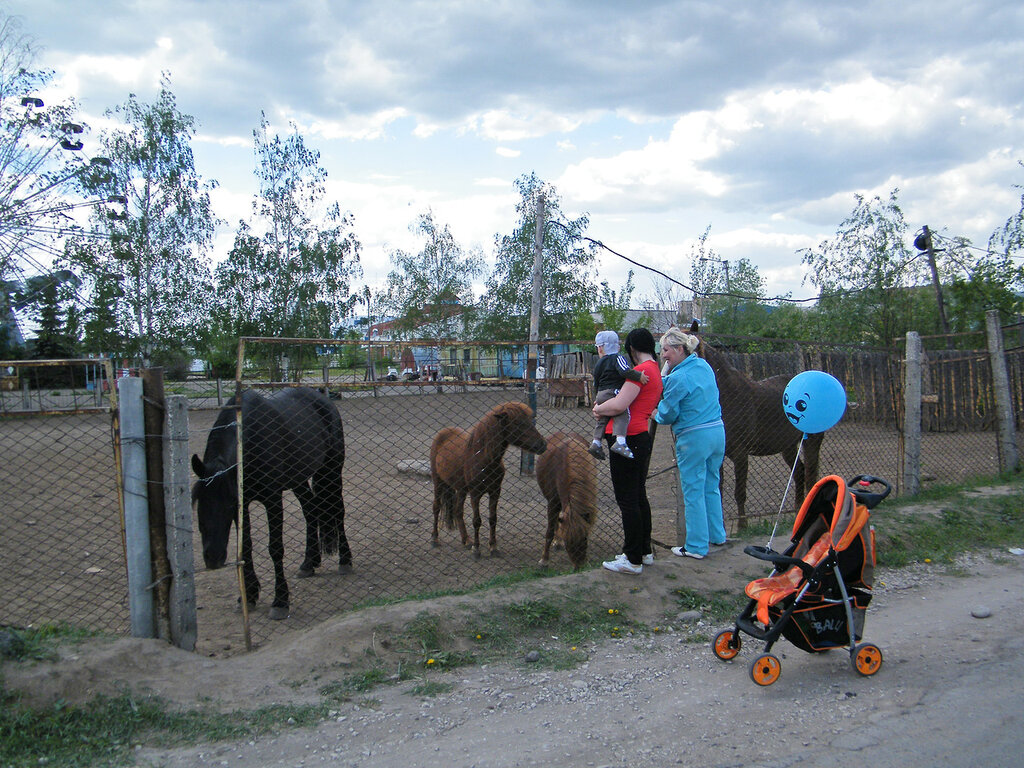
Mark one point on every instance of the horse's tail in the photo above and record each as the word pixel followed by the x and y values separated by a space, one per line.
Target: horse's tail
pixel 448 502
pixel 328 491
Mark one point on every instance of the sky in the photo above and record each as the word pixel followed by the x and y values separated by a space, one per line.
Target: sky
pixel 756 121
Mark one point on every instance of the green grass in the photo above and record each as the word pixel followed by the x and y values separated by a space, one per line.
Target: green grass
pixel 105 732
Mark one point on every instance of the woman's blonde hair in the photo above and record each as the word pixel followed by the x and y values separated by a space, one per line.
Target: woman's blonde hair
pixel 675 337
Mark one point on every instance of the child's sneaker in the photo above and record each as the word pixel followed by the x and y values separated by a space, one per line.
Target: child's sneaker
pixel 622 449
pixel 597 451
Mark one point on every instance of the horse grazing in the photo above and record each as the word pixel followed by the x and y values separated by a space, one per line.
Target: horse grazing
pixel 567 476
pixel 288 439
pixel 473 463
pixel 756 425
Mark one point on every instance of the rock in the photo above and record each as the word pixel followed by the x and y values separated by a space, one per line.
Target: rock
pixel 414 467
pixel 533 656
pixel 688 617
pixel 981 612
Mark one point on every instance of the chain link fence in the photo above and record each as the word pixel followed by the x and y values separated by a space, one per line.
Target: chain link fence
pixel 61 540
pixel 61 533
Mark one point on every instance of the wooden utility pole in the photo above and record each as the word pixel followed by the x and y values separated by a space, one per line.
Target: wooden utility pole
pixel 923 242
pixel 526 460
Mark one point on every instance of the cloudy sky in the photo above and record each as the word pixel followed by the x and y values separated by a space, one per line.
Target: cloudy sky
pixel 760 120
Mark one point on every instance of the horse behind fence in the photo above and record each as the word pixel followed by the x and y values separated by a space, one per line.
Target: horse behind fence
pixel 472 463
pixel 567 476
pixel 756 425
pixel 288 440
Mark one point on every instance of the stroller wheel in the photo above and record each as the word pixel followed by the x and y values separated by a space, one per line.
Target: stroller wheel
pixel 866 659
pixel 766 669
pixel 726 644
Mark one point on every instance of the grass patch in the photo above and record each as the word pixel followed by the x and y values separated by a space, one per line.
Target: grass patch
pixel 105 732
pixel 40 643
pixel 721 605
pixel 964 522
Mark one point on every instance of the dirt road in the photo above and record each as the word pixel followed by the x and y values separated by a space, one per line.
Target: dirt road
pixel 950 693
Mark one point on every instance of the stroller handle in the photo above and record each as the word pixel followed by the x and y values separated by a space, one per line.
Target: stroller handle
pixel 858 487
pixel 776 559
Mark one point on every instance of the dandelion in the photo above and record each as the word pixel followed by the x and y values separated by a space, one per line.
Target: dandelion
pixel 429 662
pixel 573 648
pixel 927 559
pixel 657 629
pixel 479 637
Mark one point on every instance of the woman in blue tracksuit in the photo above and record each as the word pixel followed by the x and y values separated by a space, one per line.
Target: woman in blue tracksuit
pixel 690 404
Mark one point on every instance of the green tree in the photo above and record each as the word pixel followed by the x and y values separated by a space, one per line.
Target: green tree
pixel 568 271
pixel 159 242
pixel 295 279
pixel 50 312
pixel 427 291
pixel 869 279
pixel 613 305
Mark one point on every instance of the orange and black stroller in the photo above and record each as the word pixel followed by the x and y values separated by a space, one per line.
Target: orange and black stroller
pixel 821 586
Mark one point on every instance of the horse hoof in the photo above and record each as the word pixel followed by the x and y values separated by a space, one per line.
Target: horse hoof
pixel 476 553
pixel 344 568
pixel 305 573
pixel 278 612
pixel 435 543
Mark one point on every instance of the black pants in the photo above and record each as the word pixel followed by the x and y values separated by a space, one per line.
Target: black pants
pixel 629 480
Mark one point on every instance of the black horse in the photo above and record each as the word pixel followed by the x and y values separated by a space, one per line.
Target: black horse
pixel 287 440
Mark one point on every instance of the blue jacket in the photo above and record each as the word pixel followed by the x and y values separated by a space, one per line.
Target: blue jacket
pixel 690 397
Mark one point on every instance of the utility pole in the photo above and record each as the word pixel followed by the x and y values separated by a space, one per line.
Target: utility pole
pixel 923 242
pixel 526 459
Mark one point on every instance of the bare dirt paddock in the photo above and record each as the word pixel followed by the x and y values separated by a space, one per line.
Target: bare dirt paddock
pixel 61 541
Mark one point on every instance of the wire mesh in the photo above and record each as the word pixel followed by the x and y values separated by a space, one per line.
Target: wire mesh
pixel 60 526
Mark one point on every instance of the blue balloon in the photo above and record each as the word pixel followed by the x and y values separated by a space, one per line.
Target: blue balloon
pixel 814 401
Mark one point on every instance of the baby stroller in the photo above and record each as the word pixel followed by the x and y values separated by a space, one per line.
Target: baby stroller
pixel 819 590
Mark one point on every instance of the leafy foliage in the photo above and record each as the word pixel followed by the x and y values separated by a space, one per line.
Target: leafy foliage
pixel 568 268
pixel 428 291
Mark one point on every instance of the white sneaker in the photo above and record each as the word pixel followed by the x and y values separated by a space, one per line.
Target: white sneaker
pixel 684 552
pixel 622 566
pixel 648 559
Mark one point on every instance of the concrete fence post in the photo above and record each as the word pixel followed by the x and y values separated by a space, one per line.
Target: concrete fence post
pixel 136 507
pixel 911 485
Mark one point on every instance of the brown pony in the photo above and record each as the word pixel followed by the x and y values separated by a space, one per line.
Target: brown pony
pixel 567 476
pixel 472 463
pixel 756 425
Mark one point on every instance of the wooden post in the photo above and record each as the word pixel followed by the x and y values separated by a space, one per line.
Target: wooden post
pixel 136 526
pixel 1006 434
pixel 911 485
pixel 178 513
pixel 526 459
pixel 153 418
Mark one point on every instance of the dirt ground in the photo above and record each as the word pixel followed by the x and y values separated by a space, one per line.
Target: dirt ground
pixel 952 639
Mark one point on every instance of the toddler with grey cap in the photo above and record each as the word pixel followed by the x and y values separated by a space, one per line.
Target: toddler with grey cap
pixel 610 373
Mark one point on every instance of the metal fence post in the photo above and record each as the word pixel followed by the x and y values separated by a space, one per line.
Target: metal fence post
pixel 912 417
pixel 178 512
pixel 136 507
pixel 1006 435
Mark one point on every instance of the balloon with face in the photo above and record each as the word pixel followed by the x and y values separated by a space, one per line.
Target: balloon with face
pixel 814 401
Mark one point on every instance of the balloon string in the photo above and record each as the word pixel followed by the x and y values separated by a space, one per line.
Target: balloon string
pixel 792 474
